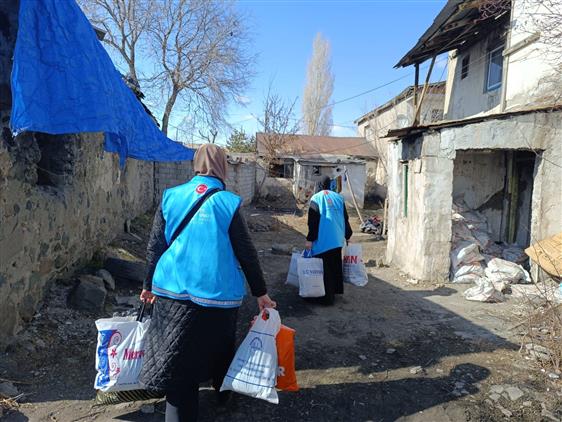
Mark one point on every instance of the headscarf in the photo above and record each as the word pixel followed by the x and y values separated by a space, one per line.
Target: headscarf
pixel 210 160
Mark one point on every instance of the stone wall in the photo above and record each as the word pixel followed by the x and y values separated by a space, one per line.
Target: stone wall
pixel 61 198
pixel 241 177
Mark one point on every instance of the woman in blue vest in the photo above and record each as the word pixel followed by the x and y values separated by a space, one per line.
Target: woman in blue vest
pixel 199 255
pixel 328 232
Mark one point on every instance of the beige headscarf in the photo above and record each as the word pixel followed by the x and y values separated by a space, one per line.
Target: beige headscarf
pixel 210 160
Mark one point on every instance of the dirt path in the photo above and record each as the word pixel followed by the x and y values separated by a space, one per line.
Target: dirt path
pixel 389 351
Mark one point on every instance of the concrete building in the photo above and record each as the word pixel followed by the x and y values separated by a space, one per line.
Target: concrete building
pixel 498 151
pixel 304 160
pixel 397 113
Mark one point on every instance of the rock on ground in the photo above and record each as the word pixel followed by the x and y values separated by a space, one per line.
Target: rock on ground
pixel 89 294
pixel 107 279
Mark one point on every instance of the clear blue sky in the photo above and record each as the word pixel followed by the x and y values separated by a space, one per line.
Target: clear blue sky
pixel 367 37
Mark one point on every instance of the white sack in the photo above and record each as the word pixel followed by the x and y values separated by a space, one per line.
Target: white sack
pixel 253 372
pixel 354 270
pixel 469 273
pixel 510 272
pixel 484 291
pixel 465 253
pixel 119 353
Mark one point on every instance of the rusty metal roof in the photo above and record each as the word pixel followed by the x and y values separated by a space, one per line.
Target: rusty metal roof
pixel 306 145
pixel 459 24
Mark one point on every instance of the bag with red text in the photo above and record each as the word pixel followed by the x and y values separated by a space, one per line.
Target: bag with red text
pixel 120 353
pixel 354 270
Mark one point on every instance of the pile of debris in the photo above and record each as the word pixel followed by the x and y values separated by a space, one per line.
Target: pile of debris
pixel 476 258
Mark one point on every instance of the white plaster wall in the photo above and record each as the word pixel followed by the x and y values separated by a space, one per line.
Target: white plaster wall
pixel 467 97
pixel 532 71
pixel 420 243
pixel 401 115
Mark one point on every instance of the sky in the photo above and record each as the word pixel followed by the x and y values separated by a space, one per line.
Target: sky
pixel 367 39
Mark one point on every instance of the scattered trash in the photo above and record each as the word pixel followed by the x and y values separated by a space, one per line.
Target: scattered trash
pixel 362 357
pixel 373 225
pixel 390 351
pixel 553 376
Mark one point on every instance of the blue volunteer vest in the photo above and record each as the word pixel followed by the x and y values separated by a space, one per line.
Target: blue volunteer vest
pixel 200 264
pixel 331 233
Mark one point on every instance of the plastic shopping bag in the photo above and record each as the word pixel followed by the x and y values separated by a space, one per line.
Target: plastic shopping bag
pixel 119 353
pixel 293 275
pixel 286 375
pixel 253 372
pixel 354 270
pixel 311 276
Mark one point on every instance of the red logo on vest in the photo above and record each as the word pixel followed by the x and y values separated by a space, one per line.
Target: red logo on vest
pixel 326 192
pixel 201 189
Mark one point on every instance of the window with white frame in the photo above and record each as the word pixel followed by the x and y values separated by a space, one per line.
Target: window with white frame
pixel 495 69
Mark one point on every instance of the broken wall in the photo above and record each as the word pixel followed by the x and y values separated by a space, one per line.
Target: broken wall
pixel 419 241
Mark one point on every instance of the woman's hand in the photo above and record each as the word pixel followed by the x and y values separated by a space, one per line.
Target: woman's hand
pixel 266 302
pixel 146 296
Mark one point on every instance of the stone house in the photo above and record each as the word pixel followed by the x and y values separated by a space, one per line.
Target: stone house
pixel 303 160
pixel 397 113
pixel 498 151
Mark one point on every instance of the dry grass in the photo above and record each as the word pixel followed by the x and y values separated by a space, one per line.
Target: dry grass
pixel 8 404
pixel 542 324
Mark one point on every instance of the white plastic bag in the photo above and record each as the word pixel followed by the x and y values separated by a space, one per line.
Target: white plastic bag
pixel 311 277
pixel 119 353
pixel 465 253
pixel 354 270
pixel 253 372
pixel 484 291
pixel 293 275
pixel 468 273
pixel 510 272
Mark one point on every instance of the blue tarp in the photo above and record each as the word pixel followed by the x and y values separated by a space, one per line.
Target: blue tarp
pixel 63 81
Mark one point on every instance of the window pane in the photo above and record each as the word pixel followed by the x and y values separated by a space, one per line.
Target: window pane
pixel 495 65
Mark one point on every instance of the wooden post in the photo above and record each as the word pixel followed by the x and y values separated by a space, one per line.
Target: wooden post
pixel 425 86
pixel 353 196
pixel 416 83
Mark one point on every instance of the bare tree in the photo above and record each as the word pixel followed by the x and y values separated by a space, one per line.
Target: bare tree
pixel 125 23
pixel 197 51
pixel 202 57
pixel 278 127
pixel 317 113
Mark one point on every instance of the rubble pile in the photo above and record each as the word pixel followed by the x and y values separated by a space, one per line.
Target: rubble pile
pixel 476 258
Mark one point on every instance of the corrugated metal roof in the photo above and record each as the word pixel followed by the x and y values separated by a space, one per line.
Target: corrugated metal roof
pixel 306 145
pixel 460 23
